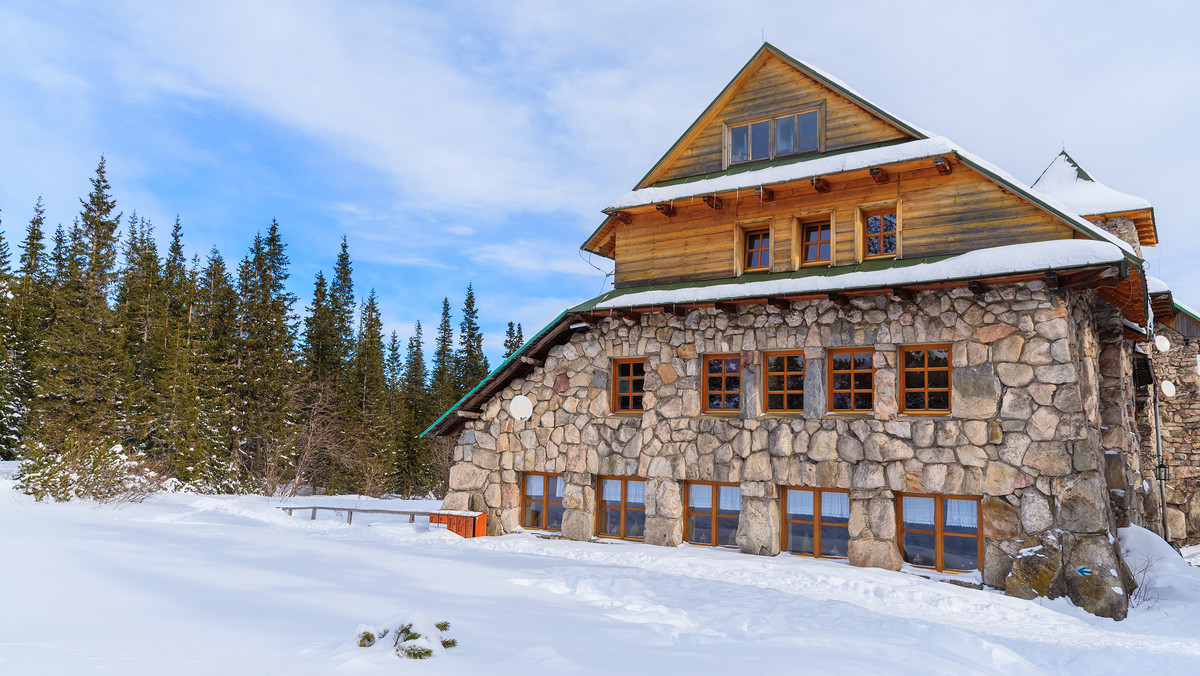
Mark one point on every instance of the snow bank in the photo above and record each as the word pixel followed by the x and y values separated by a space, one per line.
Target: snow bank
pixel 1012 259
pixel 1167 576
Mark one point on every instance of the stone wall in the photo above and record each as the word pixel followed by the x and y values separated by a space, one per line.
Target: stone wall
pixel 1024 434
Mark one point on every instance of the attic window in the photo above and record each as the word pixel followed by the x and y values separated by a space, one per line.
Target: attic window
pixel 768 139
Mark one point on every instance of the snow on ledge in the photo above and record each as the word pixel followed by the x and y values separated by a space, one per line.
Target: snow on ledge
pixel 1156 285
pixel 1012 259
pixel 1084 196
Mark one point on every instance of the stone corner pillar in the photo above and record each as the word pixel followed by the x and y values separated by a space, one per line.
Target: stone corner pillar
pixel 579 506
pixel 759 526
pixel 873 530
pixel 664 513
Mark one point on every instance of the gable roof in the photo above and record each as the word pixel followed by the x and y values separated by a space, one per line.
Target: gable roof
pixel 1070 184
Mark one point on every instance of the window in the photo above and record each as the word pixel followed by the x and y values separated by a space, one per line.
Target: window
pixel 629 379
pixel 622 512
pixel 851 380
pixel 940 532
pixel 758 249
pixel 925 379
pixel 815 522
pixel 722 383
pixel 879 234
pixel 816 239
pixel 712 513
pixel 542 501
pixel 784 375
pixel 766 139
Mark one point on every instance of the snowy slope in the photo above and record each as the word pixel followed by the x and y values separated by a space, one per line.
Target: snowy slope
pixel 230 585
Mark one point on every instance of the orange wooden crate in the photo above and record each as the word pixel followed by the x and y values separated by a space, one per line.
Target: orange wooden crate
pixel 466 524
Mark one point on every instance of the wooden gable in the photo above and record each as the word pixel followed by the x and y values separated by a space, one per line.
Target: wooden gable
pixel 774 84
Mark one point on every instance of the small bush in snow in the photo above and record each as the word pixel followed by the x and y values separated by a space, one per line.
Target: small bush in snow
pixel 366 639
pixel 415 637
pixel 92 469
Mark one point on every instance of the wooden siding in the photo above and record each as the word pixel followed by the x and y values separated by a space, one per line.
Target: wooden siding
pixel 939 215
pixel 777 88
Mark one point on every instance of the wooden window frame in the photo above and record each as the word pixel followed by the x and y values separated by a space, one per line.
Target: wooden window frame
pixel 622 508
pixel 545 501
pixel 938 531
pixel 766 398
pixel 864 216
pixel 904 389
pixel 816 523
pixel 616 379
pixel 713 514
pixel 829 354
pixel 704 391
pixel 747 234
pixel 802 243
pixel 729 126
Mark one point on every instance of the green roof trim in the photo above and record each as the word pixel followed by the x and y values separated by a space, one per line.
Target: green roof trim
pixel 1186 311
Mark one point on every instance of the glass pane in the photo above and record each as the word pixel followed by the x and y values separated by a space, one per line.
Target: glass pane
pixel 960 553
pixel 635 523
pixel 623 370
pixel 919 549
pixel 533 515
pixel 835 507
pixel 729 500
pixel 727 531
pixel 872 225
pixel 841 381
pixel 914 380
pixel 914 401
pixel 824 253
pixel 610 492
pixel 939 379
pixel 714 365
pixel 554 514
pixel 752 260
pixel 795 363
pixel 775 402
pixel 841 401
pixel 841 361
pixel 714 383
pixel 775 364
pixel 795 402
pixel 939 358
pixel 795 382
pixel 760 137
pixel 534 485
pixel 700 529
pixel 785 135
pixel 872 246
pixel 914 359
pixel 739 144
pixel 812 252
pixel 732 402
pixel 639 384
pixel 639 369
pixel 623 403
pixel 835 540
pixel 889 222
pixel 799 505
pixel 800 538
pixel 889 244
pixel 622 387
pixel 733 383
pixel 939 401
pixel 862 381
pixel 635 494
pixel 556 487
pixel 806 131
pixel 610 521
pixel 733 365
pixel 960 516
pixel 714 401
pixel 862 401
pixel 918 513
pixel 700 498
pixel 812 233
pixel 775 383
pixel 862 361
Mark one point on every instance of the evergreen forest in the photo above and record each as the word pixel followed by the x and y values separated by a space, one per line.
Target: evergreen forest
pixel 123 371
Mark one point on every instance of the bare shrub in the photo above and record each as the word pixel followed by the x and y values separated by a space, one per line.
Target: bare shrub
pixel 92 469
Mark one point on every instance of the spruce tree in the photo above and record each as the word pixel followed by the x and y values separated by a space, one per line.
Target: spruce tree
pixel 12 377
pixel 142 317
pixel 513 340
pixel 320 342
pixel 341 310
pixel 443 382
pixel 471 364
pixel 28 320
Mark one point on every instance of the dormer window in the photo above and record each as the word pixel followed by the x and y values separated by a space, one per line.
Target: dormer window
pixel 768 139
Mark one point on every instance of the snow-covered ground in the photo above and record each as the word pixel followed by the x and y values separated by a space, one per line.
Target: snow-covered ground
pixel 186 584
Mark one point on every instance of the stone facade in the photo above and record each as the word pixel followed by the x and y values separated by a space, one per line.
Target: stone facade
pixel 1031 395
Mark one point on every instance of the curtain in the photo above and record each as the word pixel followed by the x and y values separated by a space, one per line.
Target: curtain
pixel 835 505
pixel 918 511
pixel 960 513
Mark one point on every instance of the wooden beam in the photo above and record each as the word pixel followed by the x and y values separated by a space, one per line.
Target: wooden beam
pixel 630 314
pixel 622 216
pixel 879 175
pixel 713 201
pixel 765 194
pixel 531 361
pixel 977 288
pixel 780 303
pixel 469 415
pixel 725 307
pixel 903 293
pixel 1052 279
pixel 665 209
pixel 677 311
pixel 820 185
pixel 943 166
pixel 840 299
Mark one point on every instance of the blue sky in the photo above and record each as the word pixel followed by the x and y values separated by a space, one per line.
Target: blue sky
pixel 459 142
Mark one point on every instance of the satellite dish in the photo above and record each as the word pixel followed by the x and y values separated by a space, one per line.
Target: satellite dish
pixel 521 407
pixel 1162 343
pixel 1168 388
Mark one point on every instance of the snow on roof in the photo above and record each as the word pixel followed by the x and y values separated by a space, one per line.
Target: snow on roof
pixel 1067 182
pixel 1012 259
pixel 1156 285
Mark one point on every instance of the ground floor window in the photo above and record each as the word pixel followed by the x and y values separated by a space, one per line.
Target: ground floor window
pixel 940 531
pixel 712 513
pixel 541 501
pixel 815 522
pixel 622 511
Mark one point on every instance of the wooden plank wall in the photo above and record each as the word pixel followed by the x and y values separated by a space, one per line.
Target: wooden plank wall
pixel 777 88
pixel 938 215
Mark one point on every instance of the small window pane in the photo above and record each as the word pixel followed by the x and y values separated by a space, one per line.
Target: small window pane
pixel 635 523
pixel 795 362
pixel 914 401
pixel 812 233
pixel 727 532
pixel 739 144
pixel 961 516
pixel 842 361
pixel 785 135
pixel 733 383
pixel 534 486
pixel 862 381
pixel 862 360
pixel 795 382
pixel 533 515
pixel 914 380
pixel 939 379
pixel 700 529
pixel 554 514
pixel 939 358
pixel 872 246
pixel 841 381
pixel 732 402
pixel 714 365
pixel 622 387
pixel 919 549
pixel 729 499
pixel 714 383
pixel 799 505
pixel 939 401
pixel 775 383
pixel 639 385
pixel 960 553
pixel 700 498
pixel 889 244
pixel 635 494
pixel 813 252
pixel 889 222
pixel 556 487
pixel 775 364
pixel 873 225
pixel 800 538
pixel 823 254
pixel 623 369
pixel 775 401
pixel 760 137
pixel 714 401
pixel 795 402
pixel 835 507
pixel 806 132
pixel 733 365
pixel 610 492
pixel 914 359
pixel 918 513
pixel 835 540
pixel 841 401
pixel 610 521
